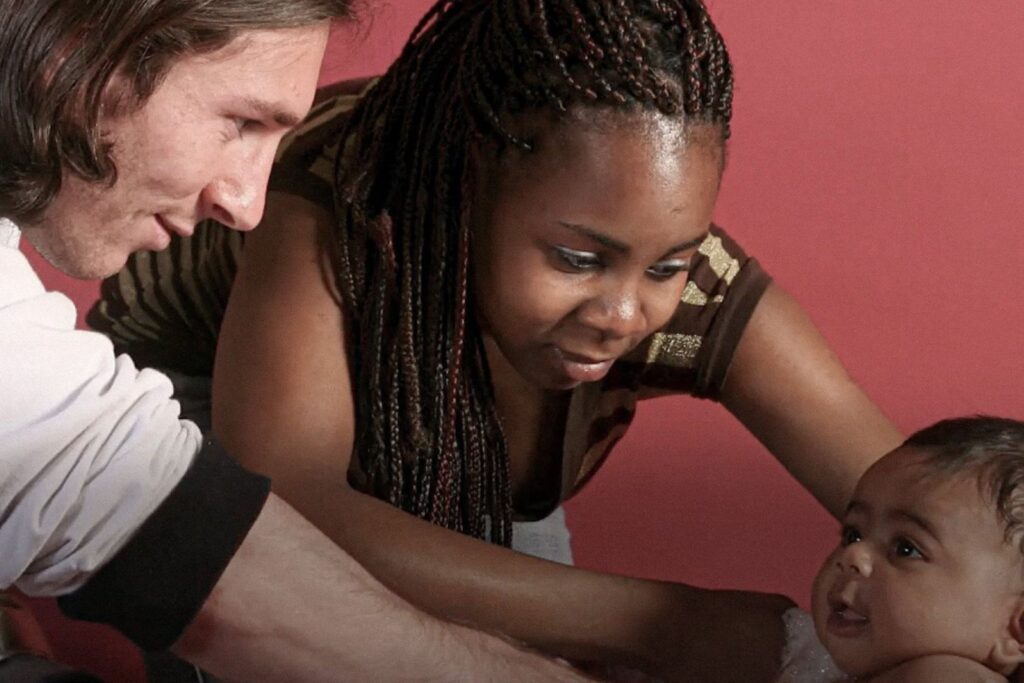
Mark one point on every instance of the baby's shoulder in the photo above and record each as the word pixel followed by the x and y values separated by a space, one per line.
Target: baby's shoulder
pixel 940 669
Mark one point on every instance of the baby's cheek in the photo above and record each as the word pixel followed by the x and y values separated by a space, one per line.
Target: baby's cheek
pixel 819 591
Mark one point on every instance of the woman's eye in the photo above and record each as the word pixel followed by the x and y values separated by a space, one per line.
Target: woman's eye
pixel 902 547
pixel 849 534
pixel 578 260
pixel 664 270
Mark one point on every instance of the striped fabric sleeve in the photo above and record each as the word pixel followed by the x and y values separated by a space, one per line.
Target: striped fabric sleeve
pixel 692 353
pixel 164 309
pixel 305 162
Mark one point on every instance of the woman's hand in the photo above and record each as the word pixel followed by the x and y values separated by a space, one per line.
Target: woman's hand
pixel 725 635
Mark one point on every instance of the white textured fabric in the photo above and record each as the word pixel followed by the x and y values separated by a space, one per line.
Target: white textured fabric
pixel 805 659
pixel 89 445
pixel 546 538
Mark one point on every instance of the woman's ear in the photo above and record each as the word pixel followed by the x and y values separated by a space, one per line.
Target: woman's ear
pixel 1008 652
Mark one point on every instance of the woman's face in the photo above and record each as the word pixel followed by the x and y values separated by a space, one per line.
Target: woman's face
pixel 581 247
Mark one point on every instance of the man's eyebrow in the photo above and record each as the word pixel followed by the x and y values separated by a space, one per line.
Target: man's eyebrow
pixel 273 111
pixel 621 247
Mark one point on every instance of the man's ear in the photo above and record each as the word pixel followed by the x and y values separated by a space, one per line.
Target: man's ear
pixel 1008 652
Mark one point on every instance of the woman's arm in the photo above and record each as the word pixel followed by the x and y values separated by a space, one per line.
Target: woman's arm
pixel 282 397
pixel 787 386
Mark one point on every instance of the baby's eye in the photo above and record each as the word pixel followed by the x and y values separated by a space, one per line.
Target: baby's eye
pixel 849 534
pixel 664 270
pixel 903 547
pixel 578 260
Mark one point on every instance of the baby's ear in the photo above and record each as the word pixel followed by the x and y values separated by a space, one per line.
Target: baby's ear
pixel 1008 652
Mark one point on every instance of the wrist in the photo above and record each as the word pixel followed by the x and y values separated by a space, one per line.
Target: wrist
pixel 20 634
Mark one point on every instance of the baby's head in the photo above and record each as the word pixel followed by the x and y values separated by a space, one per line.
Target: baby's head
pixel 930 554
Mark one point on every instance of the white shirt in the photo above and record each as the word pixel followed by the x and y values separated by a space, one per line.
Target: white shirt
pixel 89 445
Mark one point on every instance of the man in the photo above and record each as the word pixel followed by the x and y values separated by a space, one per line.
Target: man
pixel 122 122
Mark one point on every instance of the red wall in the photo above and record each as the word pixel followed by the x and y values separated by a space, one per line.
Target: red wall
pixel 874 170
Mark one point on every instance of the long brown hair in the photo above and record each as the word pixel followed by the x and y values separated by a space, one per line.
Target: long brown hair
pixel 57 58
pixel 428 435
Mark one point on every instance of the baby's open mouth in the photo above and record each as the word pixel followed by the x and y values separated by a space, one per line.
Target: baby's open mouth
pixel 844 619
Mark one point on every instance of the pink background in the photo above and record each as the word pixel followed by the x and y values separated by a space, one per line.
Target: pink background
pixel 874 169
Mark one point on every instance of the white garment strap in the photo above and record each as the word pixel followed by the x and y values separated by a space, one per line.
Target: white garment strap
pixel 9 234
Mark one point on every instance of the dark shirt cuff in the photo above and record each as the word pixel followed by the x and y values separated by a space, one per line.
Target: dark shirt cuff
pixel 153 588
pixel 33 669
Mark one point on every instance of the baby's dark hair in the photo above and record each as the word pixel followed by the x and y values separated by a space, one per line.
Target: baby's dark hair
pixel 990 448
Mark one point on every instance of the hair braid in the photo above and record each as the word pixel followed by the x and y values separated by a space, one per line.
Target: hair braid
pixel 428 437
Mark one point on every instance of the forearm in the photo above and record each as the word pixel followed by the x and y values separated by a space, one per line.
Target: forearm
pixel 787 386
pixel 291 606
pixel 565 611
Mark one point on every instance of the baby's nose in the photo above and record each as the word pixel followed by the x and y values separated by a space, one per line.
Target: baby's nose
pixel 856 558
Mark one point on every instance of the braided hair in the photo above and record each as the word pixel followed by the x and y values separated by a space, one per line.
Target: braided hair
pixel 428 436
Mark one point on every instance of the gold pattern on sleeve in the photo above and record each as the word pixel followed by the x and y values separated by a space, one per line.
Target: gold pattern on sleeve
pixel 721 262
pixel 693 295
pixel 674 350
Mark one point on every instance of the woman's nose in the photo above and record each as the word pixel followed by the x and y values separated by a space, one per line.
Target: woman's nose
pixel 617 313
pixel 856 558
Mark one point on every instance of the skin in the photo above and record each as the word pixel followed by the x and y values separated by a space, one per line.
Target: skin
pixel 566 283
pixel 295 418
pixel 922 568
pixel 19 630
pixel 290 606
pixel 200 147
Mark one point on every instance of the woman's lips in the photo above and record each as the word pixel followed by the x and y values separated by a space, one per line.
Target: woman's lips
pixel 583 368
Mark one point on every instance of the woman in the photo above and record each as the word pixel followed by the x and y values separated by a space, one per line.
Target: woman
pixel 517 250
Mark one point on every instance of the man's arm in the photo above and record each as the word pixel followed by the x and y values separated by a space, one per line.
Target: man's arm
pixel 291 606
pixel 104 501
pixel 261 595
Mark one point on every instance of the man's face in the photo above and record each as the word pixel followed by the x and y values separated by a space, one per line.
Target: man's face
pixel 922 568
pixel 200 147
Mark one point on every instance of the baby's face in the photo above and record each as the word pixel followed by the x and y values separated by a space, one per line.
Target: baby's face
pixel 922 567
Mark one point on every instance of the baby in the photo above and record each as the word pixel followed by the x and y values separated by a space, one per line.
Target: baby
pixel 927 582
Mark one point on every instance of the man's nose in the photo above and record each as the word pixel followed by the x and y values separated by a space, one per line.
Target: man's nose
pixel 855 558
pixel 238 196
